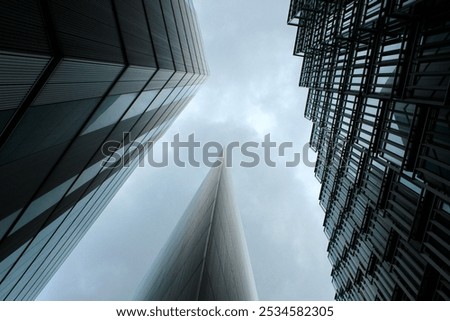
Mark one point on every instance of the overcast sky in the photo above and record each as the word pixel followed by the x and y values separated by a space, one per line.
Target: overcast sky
pixel 252 91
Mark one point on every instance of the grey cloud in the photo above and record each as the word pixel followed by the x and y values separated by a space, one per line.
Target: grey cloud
pixel 253 75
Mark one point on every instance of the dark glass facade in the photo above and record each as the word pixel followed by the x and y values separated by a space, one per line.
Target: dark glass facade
pixel 378 73
pixel 206 255
pixel 75 74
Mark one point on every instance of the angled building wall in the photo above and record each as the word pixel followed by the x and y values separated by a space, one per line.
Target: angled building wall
pixel 206 255
pixel 378 74
pixel 75 74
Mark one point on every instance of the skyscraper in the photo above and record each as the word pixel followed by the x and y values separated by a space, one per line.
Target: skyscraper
pixel 378 73
pixel 82 83
pixel 206 255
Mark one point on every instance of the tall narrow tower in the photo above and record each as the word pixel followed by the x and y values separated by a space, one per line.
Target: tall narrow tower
pixel 206 255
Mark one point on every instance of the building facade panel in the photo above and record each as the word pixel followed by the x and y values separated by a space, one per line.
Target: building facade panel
pixel 86 74
pixel 378 78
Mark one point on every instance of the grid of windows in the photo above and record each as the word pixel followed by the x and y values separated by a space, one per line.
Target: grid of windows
pixel 77 74
pixel 378 74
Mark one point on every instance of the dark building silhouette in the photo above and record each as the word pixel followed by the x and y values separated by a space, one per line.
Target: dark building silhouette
pixel 75 74
pixel 378 73
pixel 206 255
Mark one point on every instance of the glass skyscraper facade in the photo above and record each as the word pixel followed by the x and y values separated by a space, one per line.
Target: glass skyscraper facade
pixel 75 74
pixel 378 73
pixel 206 255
